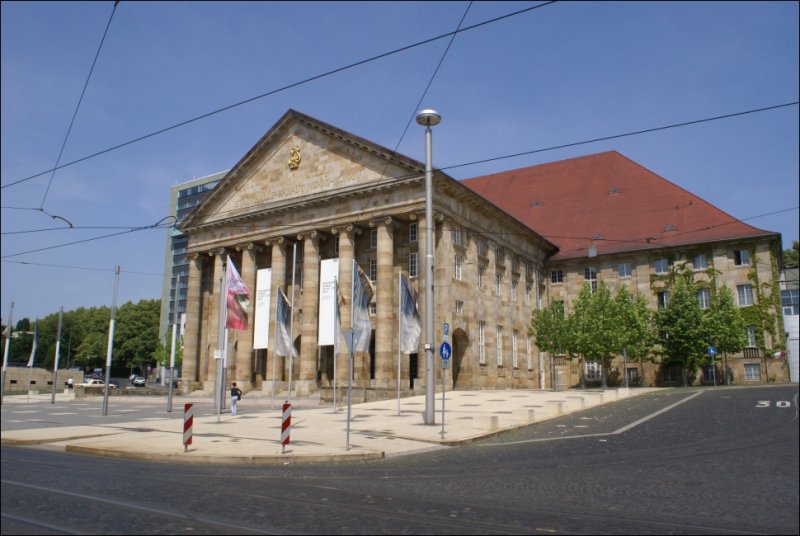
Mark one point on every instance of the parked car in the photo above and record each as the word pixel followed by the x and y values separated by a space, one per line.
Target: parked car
pixel 113 383
pixel 138 381
pixel 95 383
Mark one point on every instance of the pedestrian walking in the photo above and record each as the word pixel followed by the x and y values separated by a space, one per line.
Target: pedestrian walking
pixel 236 395
pixel 70 383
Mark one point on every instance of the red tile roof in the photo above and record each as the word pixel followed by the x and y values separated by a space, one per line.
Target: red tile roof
pixel 611 198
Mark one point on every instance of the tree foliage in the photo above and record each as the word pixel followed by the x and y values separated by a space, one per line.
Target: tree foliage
pixel 791 257
pixel 548 328
pixel 683 334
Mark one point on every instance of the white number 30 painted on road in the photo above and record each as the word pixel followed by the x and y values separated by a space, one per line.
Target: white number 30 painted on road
pixel 779 404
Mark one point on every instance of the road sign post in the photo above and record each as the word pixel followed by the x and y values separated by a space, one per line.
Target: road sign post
pixel 445 351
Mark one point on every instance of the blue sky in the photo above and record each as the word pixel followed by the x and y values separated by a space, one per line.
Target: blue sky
pixel 560 74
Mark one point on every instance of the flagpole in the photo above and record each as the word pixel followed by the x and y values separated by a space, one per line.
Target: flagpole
pixel 291 320
pixel 110 340
pixel 223 298
pixel 33 357
pixel 58 354
pixel 275 346
pixel 351 346
pixel 5 352
pixel 399 332
pixel 174 336
pixel 335 335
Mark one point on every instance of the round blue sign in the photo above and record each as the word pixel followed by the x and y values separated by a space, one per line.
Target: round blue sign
pixel 712 350
pixel 445 351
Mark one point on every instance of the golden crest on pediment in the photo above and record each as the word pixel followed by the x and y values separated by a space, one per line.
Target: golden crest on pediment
pixel 294 158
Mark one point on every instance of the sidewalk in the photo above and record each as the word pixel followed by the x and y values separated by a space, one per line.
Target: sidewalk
pixel 377 429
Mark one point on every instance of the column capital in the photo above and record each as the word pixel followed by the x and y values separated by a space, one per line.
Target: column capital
pixel 247 246
pixel 275 241
pixel 217 251
pixel 313 235
pixel 381 221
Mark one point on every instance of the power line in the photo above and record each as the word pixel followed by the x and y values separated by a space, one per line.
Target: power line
pixel 281 89
pixel 77 107
pixel 615 136
pixel 86 268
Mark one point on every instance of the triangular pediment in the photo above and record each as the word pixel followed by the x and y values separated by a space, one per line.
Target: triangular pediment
pixel 299 160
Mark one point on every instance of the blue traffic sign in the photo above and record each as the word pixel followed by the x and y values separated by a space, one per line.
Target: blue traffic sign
pixel 445 351
pixel 711 351
pixel 446 328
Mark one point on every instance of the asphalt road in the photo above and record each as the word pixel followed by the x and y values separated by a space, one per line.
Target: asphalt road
pixel 681 461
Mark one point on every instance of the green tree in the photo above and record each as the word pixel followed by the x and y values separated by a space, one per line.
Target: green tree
pixel 595 333
pixel 791 257
pixel 636 325
pixel 724 326
pixel 548 327
pixel 683 336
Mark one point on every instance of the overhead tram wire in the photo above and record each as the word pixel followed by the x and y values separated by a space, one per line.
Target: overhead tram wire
pixel 685 123
pixel 77 107
pixel 281 89
pixel 419 103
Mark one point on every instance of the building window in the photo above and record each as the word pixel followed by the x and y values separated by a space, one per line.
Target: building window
pixel 498 279
pixel 412 265
pixel 482 342
pixel 663 299
pixel 661 266
pixel 481 271
pixel 458 268
pixel 413 232
pixel 529 270
pixel 373 270
pixel 336 248
pixel 457 236
pixel 590 274
pixel 633 375
pixel 750 334
pixel 528 356
pixel 624 269
pixel 592 371
pixel 527 294
pixel 752 372
pixel 498 254
pixel 700 262
pixel 514 362
pixel 373 238
pixel 741 257
pixel 373 309
pixel 482 247
pixel 557 276
pixel 499 348
pixel 708 373
pixel 790 301
pixel 459 308
pixel 515 264
pixel 514 290
pixel 704 297
pixel 745 295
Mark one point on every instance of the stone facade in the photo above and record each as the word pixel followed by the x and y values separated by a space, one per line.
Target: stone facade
pixel 348 198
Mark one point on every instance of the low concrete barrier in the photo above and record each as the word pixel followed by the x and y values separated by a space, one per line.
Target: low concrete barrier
pixel 524 415
pixel 556 407
pixel 578 402
pixel 486 422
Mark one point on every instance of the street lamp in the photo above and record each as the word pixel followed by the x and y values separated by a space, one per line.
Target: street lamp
pixel 429 118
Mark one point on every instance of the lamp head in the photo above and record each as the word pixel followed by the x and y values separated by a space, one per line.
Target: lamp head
pixel 428 117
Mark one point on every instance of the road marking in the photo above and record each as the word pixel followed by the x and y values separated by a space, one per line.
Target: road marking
pixel 615 432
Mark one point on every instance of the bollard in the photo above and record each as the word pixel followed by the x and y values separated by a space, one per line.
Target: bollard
pixel 286 425
pixel 188 420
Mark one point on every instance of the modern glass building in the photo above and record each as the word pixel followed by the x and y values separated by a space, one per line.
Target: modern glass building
pixel 182 199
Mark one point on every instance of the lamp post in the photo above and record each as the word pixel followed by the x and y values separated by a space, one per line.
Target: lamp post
pixel 429 118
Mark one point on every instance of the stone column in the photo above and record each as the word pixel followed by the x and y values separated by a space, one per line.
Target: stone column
pixel 213 317
pixel 386 289
pixel 345 281
pixel 244 351
pixel 309 329
pixel 274 362
pixel 191 352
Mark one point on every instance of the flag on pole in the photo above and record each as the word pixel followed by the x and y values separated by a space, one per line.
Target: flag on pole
pixel 362 296
pixel 35 343
pixel 237 300
pixel 283 343
pixel 410 325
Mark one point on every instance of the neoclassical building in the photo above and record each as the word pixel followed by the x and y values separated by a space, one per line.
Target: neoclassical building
pixel 312 192
pixel 309 193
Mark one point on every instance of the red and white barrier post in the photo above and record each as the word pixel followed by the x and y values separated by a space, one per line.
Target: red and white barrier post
pixel 188 421
pixel 286 425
